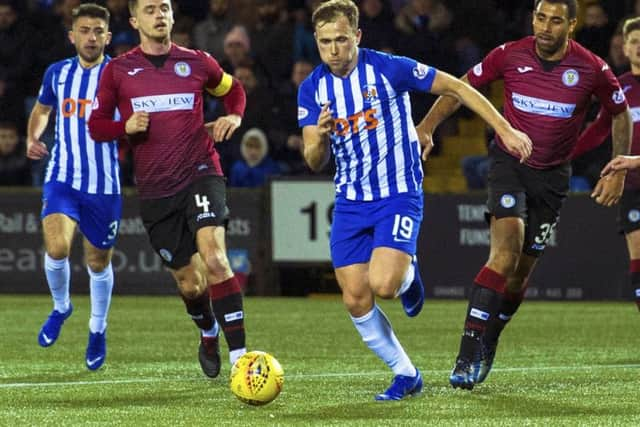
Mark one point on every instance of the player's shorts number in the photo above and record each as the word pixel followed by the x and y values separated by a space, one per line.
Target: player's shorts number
pixel 402 227
pixel 113 230
pixel 202 202
pixel 545 232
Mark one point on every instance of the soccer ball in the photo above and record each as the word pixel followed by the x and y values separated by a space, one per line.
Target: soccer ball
pixel 256 378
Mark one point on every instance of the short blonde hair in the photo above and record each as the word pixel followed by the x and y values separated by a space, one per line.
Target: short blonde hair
pixel 331 10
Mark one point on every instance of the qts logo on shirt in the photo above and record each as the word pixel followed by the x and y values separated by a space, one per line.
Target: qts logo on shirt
pixel 71 107
pixel 351 124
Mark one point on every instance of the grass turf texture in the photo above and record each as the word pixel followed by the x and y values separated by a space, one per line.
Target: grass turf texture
pixel 558 364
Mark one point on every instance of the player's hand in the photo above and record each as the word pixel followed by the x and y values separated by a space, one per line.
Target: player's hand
pixel 223 127
pixel 138 122
pixel 326 121
pixel 36 150
pixel 609 188
pixel 621 163
pixel 425 138
pixel 518 143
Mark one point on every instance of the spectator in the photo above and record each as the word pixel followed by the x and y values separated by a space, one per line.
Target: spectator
pixel 304 43
pixel 376 22
pixel 616 59
pixel 285 134
pixel 14 166
pixel 256 165
pixel 208 35
pixel 272 38
pixel 181 34
pixel 237 49
pixel 123 36
pixel 596 30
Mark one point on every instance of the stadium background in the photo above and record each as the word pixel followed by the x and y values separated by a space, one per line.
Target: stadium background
pixel 277 234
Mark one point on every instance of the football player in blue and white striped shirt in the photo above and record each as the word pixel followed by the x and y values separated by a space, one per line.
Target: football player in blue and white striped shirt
pixel 81 186
pixel 356 105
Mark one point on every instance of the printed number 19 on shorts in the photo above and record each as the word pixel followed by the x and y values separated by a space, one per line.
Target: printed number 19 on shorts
pixel 402 228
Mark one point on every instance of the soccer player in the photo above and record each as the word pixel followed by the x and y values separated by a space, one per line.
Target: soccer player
pixel 356 104
pixel 81 185
pixel 599 130
pixel 548 84
pixel 158 89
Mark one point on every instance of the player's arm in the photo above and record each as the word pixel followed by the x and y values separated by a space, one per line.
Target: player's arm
pixel 594 135
pixel 621 163
pixel 316 141
pixel 224 86
pixel 609 188
pixel 102 126
pixel 38 120
pixel 518 143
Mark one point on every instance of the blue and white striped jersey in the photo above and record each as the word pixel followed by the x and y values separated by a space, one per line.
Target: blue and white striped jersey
pixel 76 159
pixel 374 141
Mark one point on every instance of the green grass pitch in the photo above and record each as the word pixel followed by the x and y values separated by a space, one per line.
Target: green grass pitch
pixel 558 364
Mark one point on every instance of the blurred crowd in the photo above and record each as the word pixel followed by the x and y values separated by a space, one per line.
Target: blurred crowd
pixel 269 46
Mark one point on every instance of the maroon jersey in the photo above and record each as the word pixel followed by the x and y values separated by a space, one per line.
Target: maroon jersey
pixel 176 149
pixel 600 129
pixel 549 106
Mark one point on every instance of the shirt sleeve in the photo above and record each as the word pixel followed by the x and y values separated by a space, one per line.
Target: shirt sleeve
pixel 47 94
pixel 308 108
pixel 594 135
pixel 102 125
pixel 490 69
pixel 608 89
pixel 218 82
pixel 407 74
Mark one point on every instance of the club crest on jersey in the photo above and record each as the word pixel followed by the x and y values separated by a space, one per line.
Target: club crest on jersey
pixel 370 93
pixel 570 78
pixel 182 69
pixel 618 96
pixel 477 70
pixel 507 201
pixel 634 215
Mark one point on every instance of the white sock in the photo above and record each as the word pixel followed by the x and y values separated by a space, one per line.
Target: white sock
pixel 236 354
pixel 408 279
pixel 213 332
pixel 376 332
pixel 101 285
pixel 58 276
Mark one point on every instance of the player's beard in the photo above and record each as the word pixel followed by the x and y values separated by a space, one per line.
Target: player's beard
pixel 89 56
pixel 550 49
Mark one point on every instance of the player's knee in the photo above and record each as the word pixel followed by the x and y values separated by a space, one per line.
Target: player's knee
pixel 58 251
pixel 189 289
pixel 97 265
pixel 357 305
pixel 504 262
pixel 384 287
pixel 217 263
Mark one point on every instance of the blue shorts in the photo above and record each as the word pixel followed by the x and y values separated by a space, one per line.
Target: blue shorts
pixel 359 227
pixel 97 215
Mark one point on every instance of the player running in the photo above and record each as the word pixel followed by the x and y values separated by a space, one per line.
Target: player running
pixel 548 84
pixel 356 105
pixel 158 88
pixel 81 185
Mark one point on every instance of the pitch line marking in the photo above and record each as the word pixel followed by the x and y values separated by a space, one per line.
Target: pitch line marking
pixel 307 376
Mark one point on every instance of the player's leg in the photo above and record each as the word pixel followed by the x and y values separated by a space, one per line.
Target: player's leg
pixel 206 214
pixel 394 264
pixel 506 210
pixel 169 234
pixel 59 212
pixel 633 245
pixel 629 225
pixel 351 249
pixel 224 290
pixel 100 288
pixel 99 221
